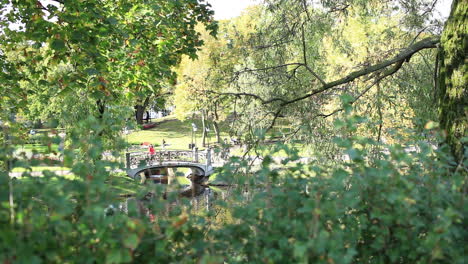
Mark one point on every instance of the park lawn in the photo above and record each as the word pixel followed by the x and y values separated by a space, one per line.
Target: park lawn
pixel 41 168
pixel 69 176
pixel 121 184
pixel 176 133
pixel 303 150
pixel 37 147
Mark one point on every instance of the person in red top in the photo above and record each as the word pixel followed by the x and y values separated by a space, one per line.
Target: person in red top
pixel 151 150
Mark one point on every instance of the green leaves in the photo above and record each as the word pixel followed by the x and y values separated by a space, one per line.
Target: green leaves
pixel 384 205
pixel 118 256
pixel 58 45
pixel 131 241
pixel 84 69
pixel 112 20
pixel 91 71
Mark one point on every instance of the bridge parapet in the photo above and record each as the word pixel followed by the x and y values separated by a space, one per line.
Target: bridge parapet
pixel 140 159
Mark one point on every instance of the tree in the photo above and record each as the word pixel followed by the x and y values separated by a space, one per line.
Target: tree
pixel 397 208
pixel 453 79
pixel 86 62
pixel 200 80
pixel 291 67
pixel 108 53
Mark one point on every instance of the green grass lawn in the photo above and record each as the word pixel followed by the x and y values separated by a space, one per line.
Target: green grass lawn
pixel 42 168
pixel 38 147
pixel 69 176
pixel 176 133
pixel 120 183
pixel 303 150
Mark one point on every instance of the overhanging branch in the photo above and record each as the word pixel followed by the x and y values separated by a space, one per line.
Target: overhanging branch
pixel 400 58
pixel 376 81
pixel 376 69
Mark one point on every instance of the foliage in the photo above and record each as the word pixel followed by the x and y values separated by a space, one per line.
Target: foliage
pixel 401 209
pixel 398 206
pixel 298 47
pixel 202 84
pixel 378 203
pixel 390 103
pixel 68 54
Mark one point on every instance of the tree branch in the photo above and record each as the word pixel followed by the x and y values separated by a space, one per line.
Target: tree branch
pixel 377 81
pixel 275 117
pixel 270 68
pixel 315 75
pixel 257 97
pixel 304 54
pixel 304 3
pixel 400 58
pixel 397 61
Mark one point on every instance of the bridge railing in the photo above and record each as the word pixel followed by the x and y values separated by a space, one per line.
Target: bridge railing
pixel 140 159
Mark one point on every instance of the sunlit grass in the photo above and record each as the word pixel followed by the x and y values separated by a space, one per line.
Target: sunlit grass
pixel 177 134
pixel 29 175
pixel 41 168
pixel 37 147
pixel 122 184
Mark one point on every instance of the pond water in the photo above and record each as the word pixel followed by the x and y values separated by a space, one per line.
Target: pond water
pixel 170 191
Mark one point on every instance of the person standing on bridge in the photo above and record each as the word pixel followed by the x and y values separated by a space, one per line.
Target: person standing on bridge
pixel 151 150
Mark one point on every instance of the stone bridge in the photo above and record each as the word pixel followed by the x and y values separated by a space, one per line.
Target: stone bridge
pixel 144 159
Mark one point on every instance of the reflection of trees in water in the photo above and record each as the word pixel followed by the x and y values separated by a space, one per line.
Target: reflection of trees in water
pixel 170 175
pixel 201 197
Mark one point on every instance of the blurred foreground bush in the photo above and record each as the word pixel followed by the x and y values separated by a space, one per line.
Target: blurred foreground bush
pixel 384 205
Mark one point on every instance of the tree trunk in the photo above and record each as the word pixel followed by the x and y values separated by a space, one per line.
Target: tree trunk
pixel 140 110
pixel 215 124
pixel 453 78
pixel 217 133
pixel 203 129
pixel 101 106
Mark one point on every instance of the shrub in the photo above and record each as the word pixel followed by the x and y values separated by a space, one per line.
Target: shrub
pixel 404 208
pixel 399 207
